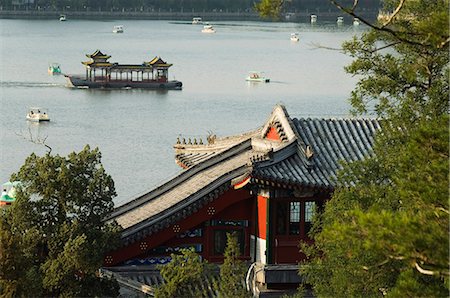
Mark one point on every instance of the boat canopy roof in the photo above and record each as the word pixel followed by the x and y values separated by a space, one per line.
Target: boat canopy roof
pixel 98 54
pixel 157 61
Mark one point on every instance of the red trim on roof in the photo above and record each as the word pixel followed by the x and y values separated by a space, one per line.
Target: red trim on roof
pixel 272 134
pixel 242 183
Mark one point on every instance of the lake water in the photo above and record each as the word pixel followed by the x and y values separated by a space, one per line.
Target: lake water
pixel 136 129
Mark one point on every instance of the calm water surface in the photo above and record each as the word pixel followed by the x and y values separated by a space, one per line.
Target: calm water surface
pixel 136 129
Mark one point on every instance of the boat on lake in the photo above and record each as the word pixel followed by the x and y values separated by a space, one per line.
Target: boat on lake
pixel 257 76
pixel 356 22
pixel 196 21
pixel 118 29
pixel 8 193
pixel 313 19
pixel 62 18
pixel 295 37
pixel 208 29
pixel 54 69
pixel 37 115
pixel 100 73
pixel 340 20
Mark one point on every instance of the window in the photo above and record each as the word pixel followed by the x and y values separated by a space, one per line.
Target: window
pixel 310 207
pixel 294 218
pixel 220 240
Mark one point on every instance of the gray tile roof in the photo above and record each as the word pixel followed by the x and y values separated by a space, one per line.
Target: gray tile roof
pixel 182 195
pixel 327 143
pixel 308 155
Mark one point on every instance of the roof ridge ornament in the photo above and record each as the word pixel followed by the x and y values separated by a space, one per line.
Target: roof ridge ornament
pixel 309 152
pixel 280 121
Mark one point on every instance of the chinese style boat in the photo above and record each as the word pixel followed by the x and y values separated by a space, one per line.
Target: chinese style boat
pixel 100 73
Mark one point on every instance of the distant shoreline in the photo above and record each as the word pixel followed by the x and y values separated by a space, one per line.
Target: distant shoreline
pixel 160 15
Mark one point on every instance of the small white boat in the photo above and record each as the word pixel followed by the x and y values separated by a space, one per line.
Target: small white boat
pixel 118 29
pixel 340 20
pixel 313 19
pixel 54 69
pixel 196 21
pixel 208 29
pixel 62 18
pixel 356 22
pixel 257 76
pixel 37 115
pixel 8 193
pixel 295 37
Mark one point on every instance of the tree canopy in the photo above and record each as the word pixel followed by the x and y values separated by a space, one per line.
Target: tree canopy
pixel 385 230
pixel 184 276
pixel 187 275
pixel 53 237
pixel 232 271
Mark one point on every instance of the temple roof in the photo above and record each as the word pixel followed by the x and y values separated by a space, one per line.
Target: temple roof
pixel 322 145
pixel 182 195
pixel 98 54
pixel 285 151
pixel 158 62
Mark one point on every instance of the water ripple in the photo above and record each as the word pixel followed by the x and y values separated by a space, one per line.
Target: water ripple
pixel 30 84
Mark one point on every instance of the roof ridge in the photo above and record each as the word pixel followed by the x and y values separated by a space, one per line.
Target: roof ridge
pixel 183 176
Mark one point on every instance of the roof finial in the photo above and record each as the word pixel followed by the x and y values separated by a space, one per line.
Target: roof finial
pixel 309 152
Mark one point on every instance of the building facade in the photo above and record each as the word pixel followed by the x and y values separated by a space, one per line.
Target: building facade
pixel 264 185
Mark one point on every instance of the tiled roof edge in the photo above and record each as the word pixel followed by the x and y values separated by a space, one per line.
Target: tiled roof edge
pixel 183 176
pixel 168 216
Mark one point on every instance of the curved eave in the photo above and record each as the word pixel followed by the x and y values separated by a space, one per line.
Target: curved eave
pixel 161 65
pixel 170 216
pixel 174 200
pixel 288 184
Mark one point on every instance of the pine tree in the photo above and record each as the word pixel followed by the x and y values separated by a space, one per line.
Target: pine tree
pixel 232 271
pixel 385 230
pixel 183 276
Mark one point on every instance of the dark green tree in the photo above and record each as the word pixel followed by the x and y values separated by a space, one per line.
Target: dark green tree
pixel 183 276
pixel 385 230
pixel 386 233
pixel 53 238
pixel 232 271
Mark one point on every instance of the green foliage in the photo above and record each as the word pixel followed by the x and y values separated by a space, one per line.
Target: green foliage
pixel 53 238
pixel 232 271
pixel 183 276
pixel 385 230
pixel 389 235
pixel 403 65
pixel 269 8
